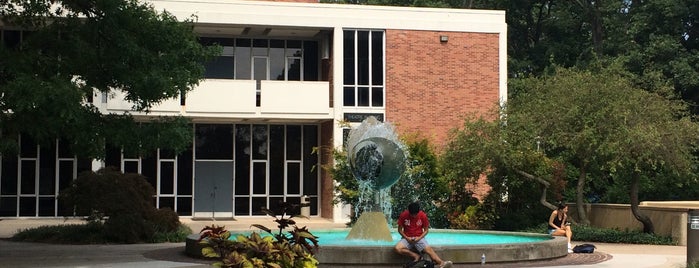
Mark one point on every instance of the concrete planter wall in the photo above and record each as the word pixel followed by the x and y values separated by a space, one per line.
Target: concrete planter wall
pixel 669 217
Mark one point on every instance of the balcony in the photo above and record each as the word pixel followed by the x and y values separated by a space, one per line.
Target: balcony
pixel 237 99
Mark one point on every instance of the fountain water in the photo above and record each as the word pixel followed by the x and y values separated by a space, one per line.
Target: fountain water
pixel 377 160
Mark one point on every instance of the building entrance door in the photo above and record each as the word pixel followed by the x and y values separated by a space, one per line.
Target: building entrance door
pixel 213 192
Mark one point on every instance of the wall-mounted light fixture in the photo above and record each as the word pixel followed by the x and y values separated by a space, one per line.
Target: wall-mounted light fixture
pixel 443 38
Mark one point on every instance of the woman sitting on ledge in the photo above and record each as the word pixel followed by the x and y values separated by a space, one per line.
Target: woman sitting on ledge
pixel 559 225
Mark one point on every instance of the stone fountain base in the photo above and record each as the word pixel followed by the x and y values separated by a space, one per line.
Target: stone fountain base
pixel 371 226
pixel 385 256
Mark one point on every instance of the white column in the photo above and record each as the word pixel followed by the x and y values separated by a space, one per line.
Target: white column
pixel 340 211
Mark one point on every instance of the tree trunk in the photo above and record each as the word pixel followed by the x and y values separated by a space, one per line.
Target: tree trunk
pixel 545 185
pixel 593 15
pixel 579 197
pixel 644 219
pixel 597 27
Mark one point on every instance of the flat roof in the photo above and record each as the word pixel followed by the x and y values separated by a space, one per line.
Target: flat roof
pixel 328 16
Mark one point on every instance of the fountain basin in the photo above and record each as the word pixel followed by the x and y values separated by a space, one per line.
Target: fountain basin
pixel 379 253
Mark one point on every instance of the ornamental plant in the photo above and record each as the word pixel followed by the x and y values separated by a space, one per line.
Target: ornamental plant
pixel 284 249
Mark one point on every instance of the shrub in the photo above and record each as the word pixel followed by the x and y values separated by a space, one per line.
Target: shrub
pixel 163 220
pixel 179 235
pixel 285 250
pixel 109 193
pixel 421 182
pixel 127 228
pixel 90 233
pixel 475 217
pixel 587 233
pixel 605 235
pixel 122 202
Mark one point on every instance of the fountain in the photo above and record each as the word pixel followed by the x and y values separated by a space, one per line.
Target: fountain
pixel 377 160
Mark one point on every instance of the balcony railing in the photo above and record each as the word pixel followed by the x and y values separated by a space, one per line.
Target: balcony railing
pixel 222 98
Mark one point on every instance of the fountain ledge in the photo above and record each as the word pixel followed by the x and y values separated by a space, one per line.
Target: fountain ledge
pixel 384 256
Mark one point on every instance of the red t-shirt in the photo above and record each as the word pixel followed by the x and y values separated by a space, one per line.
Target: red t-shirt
pixel 413 226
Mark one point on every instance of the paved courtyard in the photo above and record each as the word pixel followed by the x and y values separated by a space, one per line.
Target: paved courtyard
pixel 23 254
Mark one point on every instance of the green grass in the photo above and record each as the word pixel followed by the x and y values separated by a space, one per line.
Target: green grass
pixel 90 233
pixel 602 235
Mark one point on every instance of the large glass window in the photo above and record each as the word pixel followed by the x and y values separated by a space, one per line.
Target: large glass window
pixel 31 180
pixel 241 58
pixel 274 163
pixel 222 66
pixel 363 68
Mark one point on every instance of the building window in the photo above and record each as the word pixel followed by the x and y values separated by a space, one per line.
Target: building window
pixel 263 59
pixel 31 180
pixel 363 68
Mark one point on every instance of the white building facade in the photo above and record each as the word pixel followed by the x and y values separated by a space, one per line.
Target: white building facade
pixel 271 108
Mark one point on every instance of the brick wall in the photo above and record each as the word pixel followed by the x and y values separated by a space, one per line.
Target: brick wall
pixel 431 85
pixel 327 186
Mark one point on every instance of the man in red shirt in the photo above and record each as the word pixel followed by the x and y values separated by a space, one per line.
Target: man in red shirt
pixel 413 226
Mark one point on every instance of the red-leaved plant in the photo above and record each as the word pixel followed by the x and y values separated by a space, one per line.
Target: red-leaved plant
pixel 290 249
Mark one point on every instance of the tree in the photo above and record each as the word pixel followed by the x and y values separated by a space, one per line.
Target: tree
pixel 661 39
pixel 71 49
pixel 597 124
pixel 506 151
pixel 601 122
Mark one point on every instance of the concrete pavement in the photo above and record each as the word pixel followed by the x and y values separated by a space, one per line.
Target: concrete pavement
pixel 22 254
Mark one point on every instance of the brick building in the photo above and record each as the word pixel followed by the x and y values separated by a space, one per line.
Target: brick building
pixel 289 73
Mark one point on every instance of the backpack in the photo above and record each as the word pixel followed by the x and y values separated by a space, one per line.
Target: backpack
pixel 419 264
pixel 584 248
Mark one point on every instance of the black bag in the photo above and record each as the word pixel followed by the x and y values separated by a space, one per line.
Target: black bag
pixel 420 264
pixel 584 248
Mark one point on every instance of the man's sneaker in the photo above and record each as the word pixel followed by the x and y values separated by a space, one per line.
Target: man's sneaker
pixel 446 264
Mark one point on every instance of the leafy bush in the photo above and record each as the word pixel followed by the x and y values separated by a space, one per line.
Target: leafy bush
pixel 292 249
pixel 587 233
pixel 127 228
pixel 604 235
pixel 515 202
pixel 90 233
pixel 163 220
pixel 108 193
pixel 179 235
pixel 421 182
pixel 123 203
pixel 475 217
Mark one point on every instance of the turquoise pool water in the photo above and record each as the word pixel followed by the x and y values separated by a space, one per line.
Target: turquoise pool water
pixel 435 237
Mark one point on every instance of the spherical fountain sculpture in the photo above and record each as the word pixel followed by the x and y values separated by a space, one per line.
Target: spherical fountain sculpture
pixel 377 161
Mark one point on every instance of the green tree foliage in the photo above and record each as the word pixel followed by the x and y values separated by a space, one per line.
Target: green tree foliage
pixel 70 50
pixel 661 40
pixel 422 182
pixel 519 175
pixel 601 123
